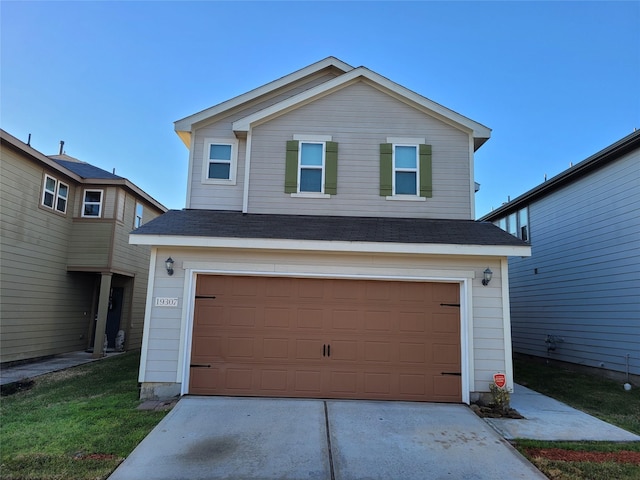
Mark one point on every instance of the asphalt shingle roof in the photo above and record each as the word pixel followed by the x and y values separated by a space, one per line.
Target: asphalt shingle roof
pixel 226 224
pixel 86 170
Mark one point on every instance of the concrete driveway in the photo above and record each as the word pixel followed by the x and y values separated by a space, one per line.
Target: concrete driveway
pixel 258 438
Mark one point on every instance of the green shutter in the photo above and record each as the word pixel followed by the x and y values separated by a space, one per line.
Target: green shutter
pixel 386 169
pixel 426 183
pixel 331 166
pixel 291 167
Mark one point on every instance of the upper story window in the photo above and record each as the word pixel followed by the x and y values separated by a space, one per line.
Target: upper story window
pixel 220 161
pixel 92 203
pixel 55 194
pixel 311 166
pixel 405 169
pixel 137 221
pixel 516 223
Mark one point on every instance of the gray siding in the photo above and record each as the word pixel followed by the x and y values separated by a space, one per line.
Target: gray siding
pixel 586 249
pixel 230 197
pixel 360 118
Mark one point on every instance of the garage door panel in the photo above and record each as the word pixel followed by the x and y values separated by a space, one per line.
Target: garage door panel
pixel 346 319
pixel 208 313
pixel 388 340
pixel 311 318
pixel 378 320
pixel 277 317
pixel 308 382
pixel 380 351
pixel 275 348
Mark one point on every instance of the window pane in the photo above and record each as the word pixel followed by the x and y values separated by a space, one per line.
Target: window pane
pixel 48 199
pixel 220 152
pixel 92 196
pixel 311 154
pixel 50 184
pixel 311 180
pixel 406 183
pixel 62 191
pixel 406 157
pixel 512 224
pixel 61 206
pixel 219 170
pixel 92 210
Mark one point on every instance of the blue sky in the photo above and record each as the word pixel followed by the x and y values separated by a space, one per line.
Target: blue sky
pixel 556 81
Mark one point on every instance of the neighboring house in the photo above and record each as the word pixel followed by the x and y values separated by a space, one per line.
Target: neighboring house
pixel 328 249
pixel 577 298
pixel 68 272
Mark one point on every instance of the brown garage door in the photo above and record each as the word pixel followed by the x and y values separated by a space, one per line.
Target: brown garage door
pixel 326 338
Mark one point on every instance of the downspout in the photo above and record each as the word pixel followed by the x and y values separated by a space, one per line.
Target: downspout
pixel 472 187
pixel 247 170
pixel 192 138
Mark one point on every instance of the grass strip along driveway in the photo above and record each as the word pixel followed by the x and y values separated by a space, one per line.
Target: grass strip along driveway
pixel 82 422
pixel 79 423
pixel 602 398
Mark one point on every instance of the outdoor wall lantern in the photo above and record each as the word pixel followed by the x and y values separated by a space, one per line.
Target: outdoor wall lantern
pixel 487 276
pixel 169 264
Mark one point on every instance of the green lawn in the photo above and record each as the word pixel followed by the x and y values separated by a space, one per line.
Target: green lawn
pixel 76 424
pixel 597 396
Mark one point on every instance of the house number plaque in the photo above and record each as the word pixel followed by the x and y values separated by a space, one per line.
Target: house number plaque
pixel 166 302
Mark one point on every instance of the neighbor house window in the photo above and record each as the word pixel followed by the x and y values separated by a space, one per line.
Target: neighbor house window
pixel 55 194
pixel 516 223
pixel 405 169
pixel 220 161
pixel 92 204
pixel 139 213
pixel 311 166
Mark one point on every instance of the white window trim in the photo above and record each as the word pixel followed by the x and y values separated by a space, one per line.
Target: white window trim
pixel 55 193
pixel 58 196
pixel 403 196
pixel 322 167
pixel 233 169
pixel 84 202
pixel 45 191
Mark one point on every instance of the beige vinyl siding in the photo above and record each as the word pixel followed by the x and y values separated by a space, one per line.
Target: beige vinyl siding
pixel 45 310
pixel 133 261
pixel 585 242
pixel 229 197
pixel 90 243
pixel 165 323
pixel 359 118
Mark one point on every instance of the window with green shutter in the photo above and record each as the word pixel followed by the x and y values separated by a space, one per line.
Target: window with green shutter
pixel 311 167
pixel 405 170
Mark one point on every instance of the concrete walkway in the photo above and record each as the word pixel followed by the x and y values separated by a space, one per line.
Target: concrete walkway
pixel 52 364
pixel 549 419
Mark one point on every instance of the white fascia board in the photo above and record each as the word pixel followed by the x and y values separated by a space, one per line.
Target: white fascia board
pixel 330 246
pixel 478 130
pixel 185 124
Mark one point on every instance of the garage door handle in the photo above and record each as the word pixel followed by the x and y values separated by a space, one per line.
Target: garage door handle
pixel 457 374
pixel 200 365
pixel 328 350
pixel 205 296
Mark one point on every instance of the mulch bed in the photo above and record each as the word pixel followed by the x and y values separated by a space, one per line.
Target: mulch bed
pixel 492 411
pixel 559 454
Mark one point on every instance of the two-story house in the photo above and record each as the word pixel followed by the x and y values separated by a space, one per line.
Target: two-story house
pixel 328 249
pixel 576 299
pixel 68 273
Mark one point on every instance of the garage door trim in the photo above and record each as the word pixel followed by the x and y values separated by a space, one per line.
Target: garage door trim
pixel 463 278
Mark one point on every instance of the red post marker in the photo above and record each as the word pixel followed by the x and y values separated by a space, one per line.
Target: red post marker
pixel 500 379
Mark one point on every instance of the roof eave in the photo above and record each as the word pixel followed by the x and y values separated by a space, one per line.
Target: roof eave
pixel 184 126
pixel 330 246
pixel 601 158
